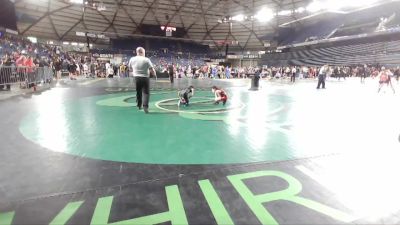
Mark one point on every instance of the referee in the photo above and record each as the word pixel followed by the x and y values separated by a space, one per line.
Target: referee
pixel 322 76
pixel 141 67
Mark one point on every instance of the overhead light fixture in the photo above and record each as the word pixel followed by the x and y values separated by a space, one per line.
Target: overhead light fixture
pixel 300 10
pixel 76 1
pixel 239 18
pixel 101 7
pixel 101 36
pixel 80 34
pixel 264 15
pixel 315 6
pixel 91 35
pixel 285 12
pixel 32 39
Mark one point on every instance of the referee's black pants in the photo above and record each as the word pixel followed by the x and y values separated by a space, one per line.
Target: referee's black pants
pixel 293 78
pixel 171 77
pixel 142 91
pixel 321 80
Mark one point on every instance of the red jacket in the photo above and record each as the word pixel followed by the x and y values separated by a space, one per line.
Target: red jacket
pixel 29 64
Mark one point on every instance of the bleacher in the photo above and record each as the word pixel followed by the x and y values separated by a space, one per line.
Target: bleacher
pixel 158 44
pixel 319 30
pixel 385 52
pixel 12 44
pixel 333 25
pixel 162 59
pixel 163 52
pixel 394 23
pixel 357 27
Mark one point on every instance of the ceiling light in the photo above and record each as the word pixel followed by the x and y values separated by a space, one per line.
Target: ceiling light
pixel 264 15
pixel 101 7
pixel 76 1
pixel 32 39
pixel 335 5
pixel 239 18
pixel 315 6
pixel 300 10
pixel 285 12
pixel 80 34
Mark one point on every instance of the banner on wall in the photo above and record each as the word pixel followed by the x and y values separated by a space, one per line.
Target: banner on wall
pixel 108 56
pixel 103 56
pixel 234 56
pixel 254 56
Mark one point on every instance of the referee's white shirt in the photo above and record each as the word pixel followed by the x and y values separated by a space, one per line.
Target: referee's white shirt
pixel 140 65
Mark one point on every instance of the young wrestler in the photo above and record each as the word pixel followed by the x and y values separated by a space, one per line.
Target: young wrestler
pixel 384 78
pixel 220 95
pixel 185 95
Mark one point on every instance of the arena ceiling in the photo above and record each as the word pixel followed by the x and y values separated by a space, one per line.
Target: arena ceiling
pixel 201 19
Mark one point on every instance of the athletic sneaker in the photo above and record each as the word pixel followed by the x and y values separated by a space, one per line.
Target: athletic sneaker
pixel 146 110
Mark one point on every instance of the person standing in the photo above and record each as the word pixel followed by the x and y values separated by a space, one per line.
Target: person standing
pixel 93 68
pixel 123 70
pixel 85 69
pixel 72 70
pixel 31 72
pixel 384 78
pixel 293 75
pixel 5 73
pixel 228 72
pixel 342 73
pixel 397 73
pixel 213 72
pixel 322 76
pixel 336 72
pixel 362 72
pixel 171 73
pixel 115 70
pixel 57 67
pixel 141 68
